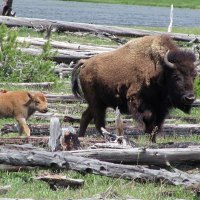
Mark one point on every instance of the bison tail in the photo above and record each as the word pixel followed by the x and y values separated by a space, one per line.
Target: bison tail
pixel 75 81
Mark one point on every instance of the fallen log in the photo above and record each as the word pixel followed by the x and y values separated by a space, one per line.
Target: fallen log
pixel 168 129
pixel 62 56
pixel 64 45
pixel 43 141
pixel 11 168
pixel 62 26
pixel 59 181
pixel 65 160
pixel 44 85
pixel 36 129
pixel 62 98
pixel 144 156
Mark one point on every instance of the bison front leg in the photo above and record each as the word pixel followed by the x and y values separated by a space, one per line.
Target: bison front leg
pixel 153 124
pixel 23 127
pixel 85 120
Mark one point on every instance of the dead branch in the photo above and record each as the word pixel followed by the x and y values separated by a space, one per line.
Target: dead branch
pixel 59 181
pixel 144 156
pixel 65 160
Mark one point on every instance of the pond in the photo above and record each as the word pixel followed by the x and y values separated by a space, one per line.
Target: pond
pixel 106 14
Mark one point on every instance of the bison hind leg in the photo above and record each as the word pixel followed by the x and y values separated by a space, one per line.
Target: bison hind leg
pixel 99 118
pixel 86 118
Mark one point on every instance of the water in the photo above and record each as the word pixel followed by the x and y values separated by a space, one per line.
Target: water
pixel 105 14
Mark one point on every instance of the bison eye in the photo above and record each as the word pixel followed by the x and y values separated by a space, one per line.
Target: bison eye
pixel 176 77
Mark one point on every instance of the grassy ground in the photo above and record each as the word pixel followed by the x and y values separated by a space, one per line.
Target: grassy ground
pixel 177 3
pixel 23 184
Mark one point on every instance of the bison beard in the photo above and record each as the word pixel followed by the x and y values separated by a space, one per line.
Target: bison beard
pixel 146 77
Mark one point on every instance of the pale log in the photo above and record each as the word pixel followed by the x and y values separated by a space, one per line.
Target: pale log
pixel 144 156
pixel 65 160
pixel 59 181
pixel 168 129
pixel 55 133
pixel 83 27
pixel 45 85
pixel 65 56
pixel 64 45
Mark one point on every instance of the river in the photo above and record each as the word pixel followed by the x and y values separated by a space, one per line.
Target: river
pixel 106 14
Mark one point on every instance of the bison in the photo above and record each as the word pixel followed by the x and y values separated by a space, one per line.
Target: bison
pixel 21 105
pixel 146 77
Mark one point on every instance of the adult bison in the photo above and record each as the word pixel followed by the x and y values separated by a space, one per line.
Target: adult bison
pixel 146 77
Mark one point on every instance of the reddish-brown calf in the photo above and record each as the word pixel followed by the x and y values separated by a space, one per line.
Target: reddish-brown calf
pixel 21 105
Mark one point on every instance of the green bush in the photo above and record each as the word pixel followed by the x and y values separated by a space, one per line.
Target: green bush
pixel 197 86
pixel 17 66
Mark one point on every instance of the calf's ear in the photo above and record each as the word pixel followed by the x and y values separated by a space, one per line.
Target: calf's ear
pixel 30 99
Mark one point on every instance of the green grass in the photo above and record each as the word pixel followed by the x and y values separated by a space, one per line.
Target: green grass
pixel 24 186
pixel 177 3
pixel 85 38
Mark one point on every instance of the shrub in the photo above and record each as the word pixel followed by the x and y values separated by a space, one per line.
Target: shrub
pixel 17 66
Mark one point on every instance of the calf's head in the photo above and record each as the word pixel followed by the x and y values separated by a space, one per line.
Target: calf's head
pixel 180 75
pixel 38 102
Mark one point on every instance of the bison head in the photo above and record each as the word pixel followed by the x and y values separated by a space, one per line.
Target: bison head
pixel 181 72
pixel 38 102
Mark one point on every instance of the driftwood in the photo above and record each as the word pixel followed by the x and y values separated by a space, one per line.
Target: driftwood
pixel 65 160
pixel 144 156
pixel 57 181
pixel 36 129
pixel 11 168
pixel 66 56
pixel 25 140
pixel 43 141
pixel 69 139
pixel 83 27
pixel 63 98
pixel 168 129
pixel 64 45
pixel 64 52
pixel 55 133
pixel 45 85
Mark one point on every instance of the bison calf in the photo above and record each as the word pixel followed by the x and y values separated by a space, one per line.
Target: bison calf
pixel 146 77
pixel 21 105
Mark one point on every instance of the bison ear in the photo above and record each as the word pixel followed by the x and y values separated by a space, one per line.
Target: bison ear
pixel 30 99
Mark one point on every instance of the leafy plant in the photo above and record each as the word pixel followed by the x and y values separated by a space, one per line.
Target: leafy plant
pixel 17 66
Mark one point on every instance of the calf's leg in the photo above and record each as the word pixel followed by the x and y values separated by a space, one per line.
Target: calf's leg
pixel 23 126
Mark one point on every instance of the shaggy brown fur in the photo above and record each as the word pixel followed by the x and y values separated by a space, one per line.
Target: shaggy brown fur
pixel 136 78
pixel 21 105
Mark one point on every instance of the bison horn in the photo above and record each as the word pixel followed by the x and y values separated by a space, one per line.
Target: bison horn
pixel 169 64
pixel 196 63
